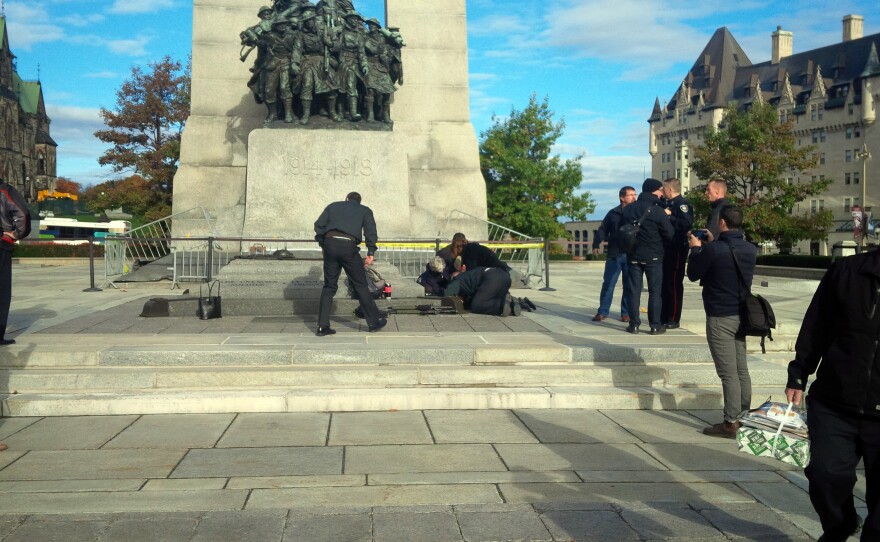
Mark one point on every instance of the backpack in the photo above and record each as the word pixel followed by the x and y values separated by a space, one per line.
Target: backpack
pixel 628 234
pixel 375 284
pixel 756 318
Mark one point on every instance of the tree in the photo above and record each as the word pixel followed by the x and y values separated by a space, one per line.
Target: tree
pixel 528 190
pixel 755 154
pixel 67 186
pixel 133 194
pixel 144 132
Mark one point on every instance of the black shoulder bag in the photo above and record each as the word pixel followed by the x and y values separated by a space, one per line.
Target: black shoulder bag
pixel 628 234
pixel 756 317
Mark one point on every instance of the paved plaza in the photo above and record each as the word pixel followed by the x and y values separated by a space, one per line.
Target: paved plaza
pixel 395 475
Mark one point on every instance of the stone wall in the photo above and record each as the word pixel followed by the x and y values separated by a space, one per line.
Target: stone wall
pixel 432 129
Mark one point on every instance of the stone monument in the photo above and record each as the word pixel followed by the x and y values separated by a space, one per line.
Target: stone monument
pixel 272 182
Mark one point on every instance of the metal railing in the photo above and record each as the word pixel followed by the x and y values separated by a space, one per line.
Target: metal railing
pixel 149 243
pixel 198 259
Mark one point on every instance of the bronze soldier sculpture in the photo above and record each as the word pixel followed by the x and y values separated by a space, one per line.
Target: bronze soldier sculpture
pixel 310 49
pixel 279 45
pixel 378 81
pixel 353 67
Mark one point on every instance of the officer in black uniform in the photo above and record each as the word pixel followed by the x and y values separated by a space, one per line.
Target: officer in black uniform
pixel 675 252
pixel 339 230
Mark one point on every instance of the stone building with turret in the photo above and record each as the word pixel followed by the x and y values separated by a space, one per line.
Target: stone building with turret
pixel 831 93
pixel 27 151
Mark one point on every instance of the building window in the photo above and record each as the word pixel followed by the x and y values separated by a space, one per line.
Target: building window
pixel 813 112
pixel 849 133
pixel 821 109
pixel 823 136
pixel 822 158
pixel 815 137
pixel 847 178
pixel 847 205
pixel 848 156
pixel 857 177
pixel 850 109
pixel 858 131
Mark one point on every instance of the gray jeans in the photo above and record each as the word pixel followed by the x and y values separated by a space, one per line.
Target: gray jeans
pixel 729 355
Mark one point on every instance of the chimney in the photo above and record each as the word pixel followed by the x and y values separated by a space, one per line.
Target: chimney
pixel 782 40
pixel 853 27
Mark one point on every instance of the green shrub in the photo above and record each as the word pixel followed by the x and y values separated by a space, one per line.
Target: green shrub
pixel 565 257
pixel 795 260
pixel 51 250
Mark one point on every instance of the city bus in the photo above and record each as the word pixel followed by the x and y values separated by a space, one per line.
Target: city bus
pixel 72 231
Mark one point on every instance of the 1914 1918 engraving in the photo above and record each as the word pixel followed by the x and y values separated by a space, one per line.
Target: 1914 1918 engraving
pixel 335 168
pixel 325 60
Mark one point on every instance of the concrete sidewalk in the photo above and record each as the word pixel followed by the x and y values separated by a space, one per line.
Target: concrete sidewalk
pixel 408 475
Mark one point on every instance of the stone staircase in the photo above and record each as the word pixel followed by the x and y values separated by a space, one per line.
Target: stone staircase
pixel 103 375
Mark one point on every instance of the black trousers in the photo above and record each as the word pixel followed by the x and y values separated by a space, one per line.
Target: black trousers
pixel 635 273
pixel 491 292
pixel 5 288
pixel 339 255
pixel 838 440
pixel 673 282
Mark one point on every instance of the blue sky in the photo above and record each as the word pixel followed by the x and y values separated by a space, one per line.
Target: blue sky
pixel 601 63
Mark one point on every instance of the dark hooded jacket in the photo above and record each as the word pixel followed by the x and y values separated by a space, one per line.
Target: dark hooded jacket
pixel 655 227
pixel 841 330
pixel 14 215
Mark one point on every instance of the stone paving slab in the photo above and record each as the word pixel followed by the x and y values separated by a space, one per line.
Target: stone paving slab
pixel 600 456
pixel 624 493
pixel 258 462
pixel 428 458
pixel 373 496
pixel 69 433
pixel 469 477
pixel 280 482
pixel 364 428
pixel 574 426
pixel 177 431
pixel 723 455
pixel 258 430
pixel 92 465
pixel 456 426
pixel 118 501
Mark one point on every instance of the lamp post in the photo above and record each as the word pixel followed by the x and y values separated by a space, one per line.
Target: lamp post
pixel 864 155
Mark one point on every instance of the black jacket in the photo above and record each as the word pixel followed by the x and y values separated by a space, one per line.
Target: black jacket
pixel 350 218
pixel 608 231
pixel 682 219
pixel 14 215
pixel 712 264
pixel 714 216
pixel 475 255
pixel 655 228
pixel 841 330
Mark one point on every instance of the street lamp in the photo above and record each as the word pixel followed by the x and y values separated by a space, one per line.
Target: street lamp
pixel 864 155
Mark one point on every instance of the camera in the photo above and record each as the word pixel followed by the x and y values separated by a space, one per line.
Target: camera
pixel 702 235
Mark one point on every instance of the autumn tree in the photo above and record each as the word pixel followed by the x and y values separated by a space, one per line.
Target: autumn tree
pixel 528 188
pixel 68 186
pixel 757 155
pixel 144 132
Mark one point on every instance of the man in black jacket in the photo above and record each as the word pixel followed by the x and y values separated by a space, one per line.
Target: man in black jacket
pixel 615 262
pixel 714 266
pixel 16 224
pixel 338 231
pixel 647 257
pixel 675 252
pixel 838 342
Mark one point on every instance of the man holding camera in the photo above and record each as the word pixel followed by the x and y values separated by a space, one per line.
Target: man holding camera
pixel 714 266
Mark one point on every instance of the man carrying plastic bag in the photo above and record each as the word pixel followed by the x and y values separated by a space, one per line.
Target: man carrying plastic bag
pixel 841 330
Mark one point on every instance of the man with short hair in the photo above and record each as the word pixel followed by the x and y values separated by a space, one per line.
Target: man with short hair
pixel 714 266
pixel 675 252
pixel 339 231
pixel 646 260
pixel 716 193
pixel 615 262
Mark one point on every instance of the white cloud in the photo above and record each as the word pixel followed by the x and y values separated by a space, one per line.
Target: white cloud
pixel 136 46
pixel 26 26
pixel 73 128
pixel 497 25
pixel 140 6
pixel 82 20
pixel 101 75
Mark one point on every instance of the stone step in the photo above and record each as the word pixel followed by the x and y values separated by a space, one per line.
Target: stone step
pixel 421 351
pixel 351 400
pixel 93 379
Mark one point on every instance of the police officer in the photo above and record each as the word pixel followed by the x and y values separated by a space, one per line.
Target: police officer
pixel 339 231
pixel 646 259
pixel 675 252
